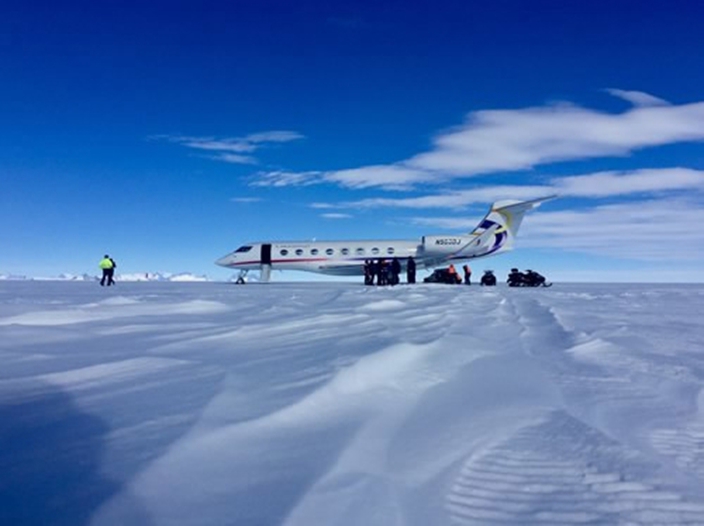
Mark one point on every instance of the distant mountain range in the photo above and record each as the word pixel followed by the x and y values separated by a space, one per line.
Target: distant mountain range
pixel 145 276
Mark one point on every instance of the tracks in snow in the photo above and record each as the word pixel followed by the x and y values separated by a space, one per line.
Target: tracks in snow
pixel 578 466
pixel 562 471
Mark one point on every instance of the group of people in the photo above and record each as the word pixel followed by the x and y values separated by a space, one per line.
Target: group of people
pixel 456 278
pixel 387 272
pixel 108 266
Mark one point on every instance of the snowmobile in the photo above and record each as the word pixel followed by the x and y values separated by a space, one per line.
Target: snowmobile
pixel 488 279
pixel 529 278
pixel 443 275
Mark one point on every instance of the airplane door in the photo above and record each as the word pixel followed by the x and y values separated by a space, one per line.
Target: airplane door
pixel 266 254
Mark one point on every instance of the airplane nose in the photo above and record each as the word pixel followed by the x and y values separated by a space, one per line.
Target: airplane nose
pixel 224 261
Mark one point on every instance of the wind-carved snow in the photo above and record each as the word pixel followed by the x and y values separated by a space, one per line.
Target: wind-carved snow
pixel 109 309
pixel 300 404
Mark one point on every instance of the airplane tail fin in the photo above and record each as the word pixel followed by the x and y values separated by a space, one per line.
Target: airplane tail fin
pixel 503 221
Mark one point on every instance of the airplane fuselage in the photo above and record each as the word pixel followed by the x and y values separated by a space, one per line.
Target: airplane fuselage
pixel 494 234
pixel 346 258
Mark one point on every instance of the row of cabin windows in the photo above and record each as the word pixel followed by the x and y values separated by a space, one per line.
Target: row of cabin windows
pixel 329 251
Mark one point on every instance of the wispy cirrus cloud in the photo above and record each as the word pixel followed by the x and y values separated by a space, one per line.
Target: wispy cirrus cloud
pixel 595 185
pixel 246 200
pixel 233 149
pixel 280 178
pixel 655 229
pixel 607 184
pixel 637 98
pixel 452 200
pixel 492 141
pixel 335 215
pixel 649 230
pixel 389 177
pixel 234 158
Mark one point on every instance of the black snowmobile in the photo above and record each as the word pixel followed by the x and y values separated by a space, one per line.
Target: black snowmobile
pixel 442 275
pixel 488 279
pixel 529 278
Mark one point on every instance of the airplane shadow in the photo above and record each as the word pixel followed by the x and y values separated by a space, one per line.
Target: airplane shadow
pixel 50 453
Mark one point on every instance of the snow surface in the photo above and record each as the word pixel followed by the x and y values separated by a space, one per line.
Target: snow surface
pixel 321 404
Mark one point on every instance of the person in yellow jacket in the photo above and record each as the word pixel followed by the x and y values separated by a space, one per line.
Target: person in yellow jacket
pixel 107 266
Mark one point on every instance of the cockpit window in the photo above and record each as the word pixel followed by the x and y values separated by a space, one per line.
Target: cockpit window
pixel 245 248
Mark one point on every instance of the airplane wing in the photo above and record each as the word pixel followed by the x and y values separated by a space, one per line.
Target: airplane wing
pixel 342 269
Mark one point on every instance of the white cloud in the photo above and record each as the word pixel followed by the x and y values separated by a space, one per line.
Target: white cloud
pixel 333 215
pixel 283 178
pixel 391 177
pixel 246 200
pixel 221 145
pixel 274 136
pixel 637 98
pixel 447 223
pixel 234 158
pixel 651 230
pixel 502 140
pixel 230 149
pixel 458 199
pixel 595 185
pixel 493 141
pixel 647 230
pixel 604 184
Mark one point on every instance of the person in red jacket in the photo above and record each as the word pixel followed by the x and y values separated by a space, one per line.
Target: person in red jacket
pixel 453 273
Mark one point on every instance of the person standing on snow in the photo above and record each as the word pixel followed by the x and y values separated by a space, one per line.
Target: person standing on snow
pixel 368 272
pixel 452 272
pixel 467 275
pixel 411 270
pixel 395 270
pixel 106 265
pixel 383 276
pixel 111 274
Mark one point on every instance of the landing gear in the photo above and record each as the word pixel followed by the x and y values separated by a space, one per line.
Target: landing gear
pixel 240 279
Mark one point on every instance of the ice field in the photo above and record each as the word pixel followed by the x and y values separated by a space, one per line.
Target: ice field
pixel 334 403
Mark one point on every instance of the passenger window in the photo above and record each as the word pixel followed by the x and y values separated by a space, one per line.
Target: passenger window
pixel 329 252
pixel 390 250
pixel 360 251
pixel 314 251
pixel 299 252
pixel 284 252
pixel 375 251
pixel 345 251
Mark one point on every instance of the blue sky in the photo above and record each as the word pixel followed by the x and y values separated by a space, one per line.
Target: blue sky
pixel 169 133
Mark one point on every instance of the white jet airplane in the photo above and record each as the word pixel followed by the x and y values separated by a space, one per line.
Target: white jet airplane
pixel 495 234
